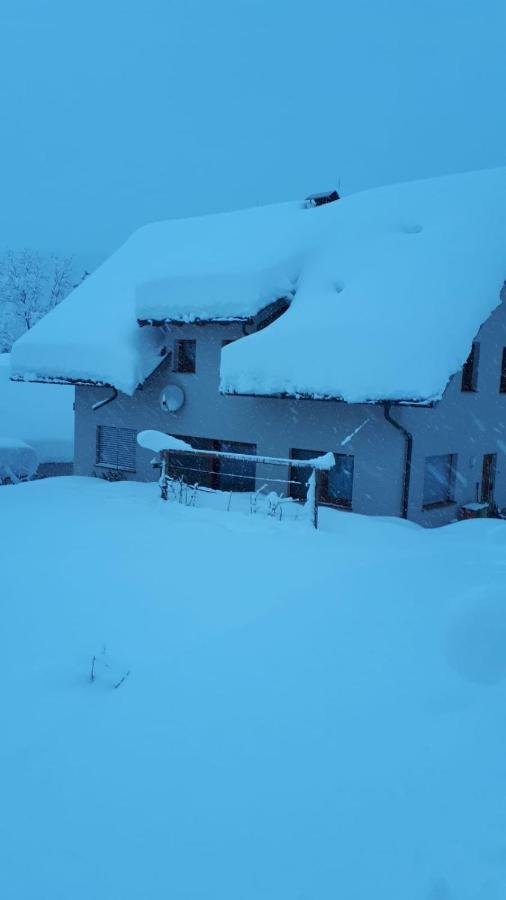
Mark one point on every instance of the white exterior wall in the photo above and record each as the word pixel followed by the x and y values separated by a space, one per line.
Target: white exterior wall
pixel 274 425
pixel 468 425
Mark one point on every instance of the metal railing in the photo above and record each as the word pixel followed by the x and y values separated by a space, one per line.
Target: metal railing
pixel 317 466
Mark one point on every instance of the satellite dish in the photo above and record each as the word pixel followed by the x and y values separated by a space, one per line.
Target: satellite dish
pixel 172 398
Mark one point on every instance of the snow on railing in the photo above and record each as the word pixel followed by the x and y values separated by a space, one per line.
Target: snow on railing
pixel 165 444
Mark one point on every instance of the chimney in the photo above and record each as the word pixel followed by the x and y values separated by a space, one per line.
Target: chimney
pixel 320 199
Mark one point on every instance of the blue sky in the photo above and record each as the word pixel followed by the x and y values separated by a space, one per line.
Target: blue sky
pixel 118 113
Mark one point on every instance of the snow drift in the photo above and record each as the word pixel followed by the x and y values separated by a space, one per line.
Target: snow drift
pixel 306 715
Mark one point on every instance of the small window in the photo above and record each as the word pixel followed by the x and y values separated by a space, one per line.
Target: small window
pixel 439 480
pixel 502 387
pixel 116 447
pixel 185 356
pixel 336 485
pixel 488 477
pixel 470 370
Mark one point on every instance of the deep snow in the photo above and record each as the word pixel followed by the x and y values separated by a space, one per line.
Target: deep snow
pixel 388 287
pixel 307 715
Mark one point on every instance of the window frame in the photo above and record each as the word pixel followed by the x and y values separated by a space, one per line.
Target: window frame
pixel 469 379
pixel 488 477
pixel 452 480
pixel 325 498
pixel 177 363
pixel 502 380
pixel 98 446
pixel 246 483
pixel 211 469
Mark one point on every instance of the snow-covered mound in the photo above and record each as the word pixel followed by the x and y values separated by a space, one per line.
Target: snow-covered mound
pixel 389 288
pixel 306 714
pixel 42 418
pixel 17 459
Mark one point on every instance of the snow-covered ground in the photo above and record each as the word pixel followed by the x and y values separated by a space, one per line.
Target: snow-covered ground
pixel 308 715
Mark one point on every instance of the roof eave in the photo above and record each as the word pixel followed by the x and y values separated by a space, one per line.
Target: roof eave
pixel 216 320
pixel 286 395
pixel 86 382
pixel 277 306
pixel 47 379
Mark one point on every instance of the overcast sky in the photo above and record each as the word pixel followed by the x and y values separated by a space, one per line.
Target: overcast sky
pixel 119 112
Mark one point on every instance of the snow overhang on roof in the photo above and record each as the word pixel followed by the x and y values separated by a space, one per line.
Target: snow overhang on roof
pixel 213 297
pixel 389 288
pixel 389 298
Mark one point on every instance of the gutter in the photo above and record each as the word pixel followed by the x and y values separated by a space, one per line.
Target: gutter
pixel 408 439
pixel 102 403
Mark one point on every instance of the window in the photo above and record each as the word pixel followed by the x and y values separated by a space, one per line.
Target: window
pixel 488 477
pixel 192 469
pixel 185 356
pixel 336 485
pixel 219 474
pixel 439 480
pixel 235 475
pixel 502 387
pixel 470 370
pixel 116 447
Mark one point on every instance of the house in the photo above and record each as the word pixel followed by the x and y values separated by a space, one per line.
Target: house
pixel 36 427
pixel 371 326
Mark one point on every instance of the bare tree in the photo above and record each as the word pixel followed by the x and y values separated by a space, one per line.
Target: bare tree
pixel 61 278
pixel 30 286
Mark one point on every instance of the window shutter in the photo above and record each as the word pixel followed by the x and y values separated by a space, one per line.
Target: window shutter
pixel 116 447
pixel 126 448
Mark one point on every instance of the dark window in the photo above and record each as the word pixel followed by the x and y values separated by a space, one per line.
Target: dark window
pixel 185 356
pixel 503 373
pixel 488 477
pixel 470 369
pixel 336 485
pixel 235 475
pixel 439 479
pixel 191 468
pixel 116 447
pixel 216 473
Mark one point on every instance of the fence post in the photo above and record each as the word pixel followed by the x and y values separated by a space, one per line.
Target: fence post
pixel 317 490
pixel 164 478
pixel 313 495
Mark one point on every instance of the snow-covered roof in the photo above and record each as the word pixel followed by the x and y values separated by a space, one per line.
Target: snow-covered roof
pixel 36 415
pixel 389 288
